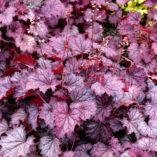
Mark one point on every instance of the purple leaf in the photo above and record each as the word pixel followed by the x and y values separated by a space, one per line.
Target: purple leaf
pixel 116 125
pixel 7 16
pixel 154 47
pixel 20 79
pixel 85 109
pixel 135 118
pixel 3 126
pixel 61 47
pixel 98 149
pixel 81 94
pixel 80 45
pixel 49 147
pixel 65 119
pixel 152 90
pixel 146 143
pixel 100 2
pixel 98 131
pixel 5 85
pixel 73 81
pixel 18 116
pixel 149 129
pixel 38 29
pixel 43 78
pixel 73 65
pixel 112 6
pixel 134 18
pixel 95 31
pixel 103 108
pixel 134 53
pixel 135 151
pixel 69 154
pixel 53 8
pixel 25 43
pixel 122 2
pixel 134 95
pixel 115 146
pixel 108 153
pixel 2 5
pixel 15 143
pixel 46 113
pixel 15 30
pixel 82 150
pixel 33 116
pixel 110 52
pixel 115 17
pixel 150 3
pixel 111 85
pixel 153 37
pixel 151 110
pixel 125 28
pixel 138 74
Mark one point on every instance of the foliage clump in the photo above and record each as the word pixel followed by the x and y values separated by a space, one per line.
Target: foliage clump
pixel 78 78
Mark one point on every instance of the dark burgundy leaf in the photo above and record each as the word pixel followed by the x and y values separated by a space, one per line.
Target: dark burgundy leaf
pixel 25 59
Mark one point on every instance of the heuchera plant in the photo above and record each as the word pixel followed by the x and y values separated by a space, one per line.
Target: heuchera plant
pixel 78 78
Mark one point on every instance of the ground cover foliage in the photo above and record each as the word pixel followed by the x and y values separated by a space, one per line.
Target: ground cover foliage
pixel 78 78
